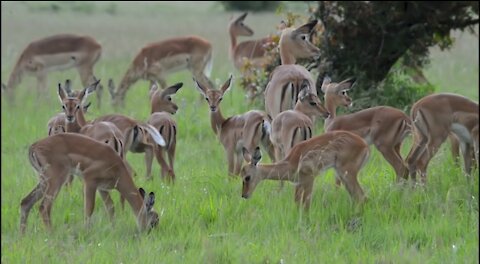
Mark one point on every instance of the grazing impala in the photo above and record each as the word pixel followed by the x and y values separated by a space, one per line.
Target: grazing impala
pixel 57 52
pixel 253 50
pixel 158 59
pixel 383 126
pixel 55 157
pixel 287 79
pixel 341 150
pixel 293 126
pixel 248 130
pixel 161 118
pixel 435 117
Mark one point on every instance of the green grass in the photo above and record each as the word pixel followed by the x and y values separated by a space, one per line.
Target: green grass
pixel 203 217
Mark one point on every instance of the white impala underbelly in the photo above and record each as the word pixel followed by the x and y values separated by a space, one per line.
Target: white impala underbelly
pixel 56 62
pixel 173 63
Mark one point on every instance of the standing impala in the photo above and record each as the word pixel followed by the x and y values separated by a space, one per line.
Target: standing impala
pixel 158 59
pixel 294 126
pixel 287 79
pixel 341 150
pixel 435 117
pixel 55 157
pixel 53 53
pixel 134 132
pixel 383 126
pixel 161 118
pixel 253 50
pixel 248 130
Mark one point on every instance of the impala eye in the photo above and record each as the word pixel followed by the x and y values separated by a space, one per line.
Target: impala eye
pixel 247 179
pixel 206 98
pixel 303 37
pixel 63 107
pixel 221 98
pixel 344 92
pixel 169 98
pixel 78 107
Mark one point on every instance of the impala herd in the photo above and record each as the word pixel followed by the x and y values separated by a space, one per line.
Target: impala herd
pixel 96 149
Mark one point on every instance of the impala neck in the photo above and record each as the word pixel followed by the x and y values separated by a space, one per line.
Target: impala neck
pixel 281 171
pixel 216 120
pixel 80 116
pixel 233 43
pixel 286 57
pixel 332 109
pixel 299 108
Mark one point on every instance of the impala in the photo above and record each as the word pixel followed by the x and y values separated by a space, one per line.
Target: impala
pixel 104 132
pixel 161 118
pixel 341 150
pixel 287 79
pixel 253 50
pixel 158 59
pixel 293 126
pixel 53 53
pixel 57 124
pixel 383 126
pixel 55 157
pixel 435 117
pixel 134 132
pixel 247 130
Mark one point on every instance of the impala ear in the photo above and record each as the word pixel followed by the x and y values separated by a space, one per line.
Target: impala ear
pixel 306 28
pixel 172 89
pixel 346 84
pixel 257 156
pixel 142 192
pixel 226 86
pixel 200 88
pixel 246 155
pixel 150 201
pixel 85 107
pixel 241 18
pixel 61 93
pixel 326 81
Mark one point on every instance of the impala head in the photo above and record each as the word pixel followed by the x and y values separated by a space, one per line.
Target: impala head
pixel 309 103
pixel 249 171
pixel 71 105
pixel 296 41
pixel 213 97
pixel 238 28
pixel 337 92
pixel 152 216
pixel 161 100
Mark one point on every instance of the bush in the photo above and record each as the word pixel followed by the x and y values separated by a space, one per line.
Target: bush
pixel 250 5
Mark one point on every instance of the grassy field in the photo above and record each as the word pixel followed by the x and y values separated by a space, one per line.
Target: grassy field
pixel 203 217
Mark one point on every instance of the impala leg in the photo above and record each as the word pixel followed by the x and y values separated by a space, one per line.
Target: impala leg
pixel 466 150
pixel 107 200
pixel 432 148
pixel 348 175
pixel 303 192
pixel 148 161
pixel 89 191
pixel 171 159
pixel 52 188
pixel 161 160
pixel 455 147
pixel 395 160
pixel 27 203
